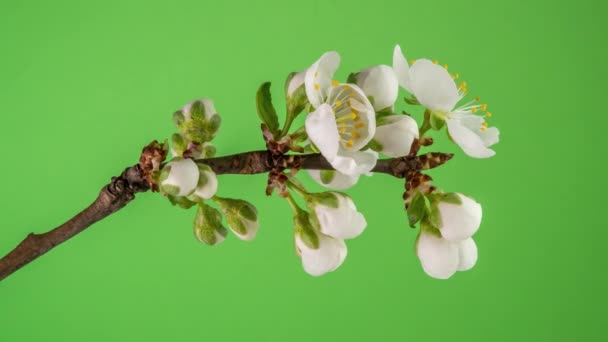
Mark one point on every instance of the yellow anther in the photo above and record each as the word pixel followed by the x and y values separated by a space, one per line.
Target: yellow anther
pixel 317 87
pixel 335 83
pixel 357 117
pixel 342 124
pixel 359 124
pixel 435 62
pixel 474 109
pixel 477 98
pixel 488 114
pixel 445 66
pixel 464 84
pixel 484 124
pixel 484 107
pixel 355 135
pixel 483 129
pixel 345 87
pixel 412 61
pixel 342 130
pixel 338 103
pixel 316 74
pixel 350 143
pixel 456 75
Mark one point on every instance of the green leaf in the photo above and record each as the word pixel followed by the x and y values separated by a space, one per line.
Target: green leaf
pixel 265 109
pixel 181 202
pixel 197 110
pixel 412 101
pixel 327 176
pixel 417 209
pixel 437 122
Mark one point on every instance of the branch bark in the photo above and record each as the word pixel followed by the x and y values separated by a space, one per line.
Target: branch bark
pixel 122 189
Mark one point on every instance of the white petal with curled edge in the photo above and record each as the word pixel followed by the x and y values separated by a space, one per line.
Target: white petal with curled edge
pixel 183 174
pixel 328 257
pixel 467 251
pixel 319 76
pixel 396 135
pixel 296 81
pixel 343 222
pixel 401 68
pixel 469 139
pixel 459 221
pixel 439 257
pixel 433 86
pixel 354 163
pixel 323 131
pixel 380 83
pixel 340 181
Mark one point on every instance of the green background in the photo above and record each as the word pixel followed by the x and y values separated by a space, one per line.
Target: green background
pixel 84 86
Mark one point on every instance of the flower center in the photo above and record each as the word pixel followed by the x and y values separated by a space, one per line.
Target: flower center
pixel 349 118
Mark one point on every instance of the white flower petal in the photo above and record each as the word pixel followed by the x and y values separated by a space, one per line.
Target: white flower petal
pixel 343 222
pixel 396 135
pixel 207 190
pixel 339 182
pixel 470 140
pixel 459 221
pixel 401 68
pixel 322 131
pixel 433 86
pixel 328 257
pixel 354 163
pixel 319 76
pixel 296 81
pixel 439 257
pixel 183 174
pixel 467 251
pixel 380 83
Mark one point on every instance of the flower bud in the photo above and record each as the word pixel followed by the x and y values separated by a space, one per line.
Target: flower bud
pixel 295 92
pixel 319 253
pixel 441 258
pixel 208 226
pixel 395 135
pixel 457 216
pixel 179 177
pixel 380 83
pixel 207 184
pixel 242 217
pixel 294 82
pixel 337 215
pixel 198 121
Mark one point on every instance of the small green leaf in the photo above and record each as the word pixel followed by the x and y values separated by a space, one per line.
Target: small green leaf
pixel 451 197
pixel 265 109
pixel 178 119
pixel 327 176
pixel 412 101
pixel 417 209
pixel 181 202
pixel 197 110
pixel 352 78
pixel 327 198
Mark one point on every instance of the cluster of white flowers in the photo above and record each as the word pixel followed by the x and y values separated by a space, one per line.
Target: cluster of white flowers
pixel 350 124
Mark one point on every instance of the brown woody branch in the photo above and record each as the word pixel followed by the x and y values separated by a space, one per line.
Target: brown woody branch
pixel 122 189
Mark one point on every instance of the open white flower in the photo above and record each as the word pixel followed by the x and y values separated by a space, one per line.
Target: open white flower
pixel 459 221
pixel 326 258
pixel 344 120
pixel 179 177
pixel 337 215
pixel 436 90
pixel 395 134
pixel 337 180
pixel 441 258
pixel 380 83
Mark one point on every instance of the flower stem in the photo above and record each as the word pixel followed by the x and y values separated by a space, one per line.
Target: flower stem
pixel 298 189
pixel 426 124
pixel 294 206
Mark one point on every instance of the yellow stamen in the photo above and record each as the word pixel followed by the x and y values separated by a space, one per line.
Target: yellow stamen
pixel 350 143
pixel 477 98
pixel 342 130
pixel 435 62
pixel 338 103
pixel 474 109
pixel 483 129
pixel 488 114
pixel 445 66
pixel 456 75
pixel 484 124
pixel 346 117
pixel 359 124
pixel 412 61
pixel 316 74
pixel 335 83
pixel 355 135
pixel 317 86
pixel 484 107
pixel 345 87
pixel 357 117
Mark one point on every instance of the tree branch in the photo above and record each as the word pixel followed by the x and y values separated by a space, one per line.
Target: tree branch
pixel 122 189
